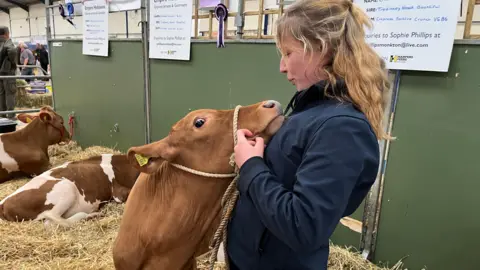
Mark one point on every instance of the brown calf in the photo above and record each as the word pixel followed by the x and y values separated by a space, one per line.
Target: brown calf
pixel 25 152
pixel 171 214
pixel 72 191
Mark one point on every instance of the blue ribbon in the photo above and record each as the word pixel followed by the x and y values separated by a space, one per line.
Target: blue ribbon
pixel 71 10
pixel 69 16
pixel 221 13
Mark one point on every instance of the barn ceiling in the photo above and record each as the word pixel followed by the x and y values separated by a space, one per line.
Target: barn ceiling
pixel 5 5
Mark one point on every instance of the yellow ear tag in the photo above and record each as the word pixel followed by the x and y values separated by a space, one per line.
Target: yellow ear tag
pixel 29 119
pixel 142 161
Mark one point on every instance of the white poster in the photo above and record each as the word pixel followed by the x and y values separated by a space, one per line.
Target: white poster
pixel 95 27
pixel 412 34
pixel 170 29
pixel 123 5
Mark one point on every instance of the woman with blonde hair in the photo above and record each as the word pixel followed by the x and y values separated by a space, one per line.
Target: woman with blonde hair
pixel 322 162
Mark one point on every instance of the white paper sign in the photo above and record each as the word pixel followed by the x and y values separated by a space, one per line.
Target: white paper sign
pixel 123 5
pixel 95 27
pixel 412 34
pixel 170 29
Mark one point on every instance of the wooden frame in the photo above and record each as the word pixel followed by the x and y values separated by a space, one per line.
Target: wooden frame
pixel 211 17
pixel 469 19
pixel 279 11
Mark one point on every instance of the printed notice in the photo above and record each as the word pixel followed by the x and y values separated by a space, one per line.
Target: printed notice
pixel 124 5
pixel 95 27
pixel 170 29
pixel 412 34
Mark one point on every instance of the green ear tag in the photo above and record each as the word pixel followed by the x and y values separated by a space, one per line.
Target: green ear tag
pixel 142 161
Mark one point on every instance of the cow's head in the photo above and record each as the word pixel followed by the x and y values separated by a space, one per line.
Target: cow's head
pixel 53 122
pixel 203 139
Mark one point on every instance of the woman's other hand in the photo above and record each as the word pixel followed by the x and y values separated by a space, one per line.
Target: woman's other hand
pixel 246 149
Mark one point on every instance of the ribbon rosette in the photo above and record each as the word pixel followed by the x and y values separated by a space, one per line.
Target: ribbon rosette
pixel 221 13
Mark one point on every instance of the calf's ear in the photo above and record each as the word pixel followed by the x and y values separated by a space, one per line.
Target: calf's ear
pixel 25 117
pixel 45 117
pixel 148 158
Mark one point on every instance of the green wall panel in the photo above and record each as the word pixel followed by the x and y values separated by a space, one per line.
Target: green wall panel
pixel 241 74
pixel 102 91
pixel 215 78
pixel 432 177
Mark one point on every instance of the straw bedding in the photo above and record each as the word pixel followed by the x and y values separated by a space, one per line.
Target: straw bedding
pixel 27 100
pixel 88 245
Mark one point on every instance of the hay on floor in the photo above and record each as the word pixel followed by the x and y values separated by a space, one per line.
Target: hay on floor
pixel 88 245
pixel 339 259
pixel 27 100
pixel 29 245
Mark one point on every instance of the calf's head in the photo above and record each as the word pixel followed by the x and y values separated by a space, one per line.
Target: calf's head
pixel 51 121
pixel 203 139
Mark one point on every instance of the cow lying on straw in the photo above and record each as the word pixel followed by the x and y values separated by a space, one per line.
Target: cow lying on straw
pixel 25 152
pixel 175 206
pixel 71 192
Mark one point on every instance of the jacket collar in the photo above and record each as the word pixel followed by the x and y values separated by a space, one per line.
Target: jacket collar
pixel 314 94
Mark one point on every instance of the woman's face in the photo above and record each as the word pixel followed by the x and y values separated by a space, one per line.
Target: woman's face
pixel 302 69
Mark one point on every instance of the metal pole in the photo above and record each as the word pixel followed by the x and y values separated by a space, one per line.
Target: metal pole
pixel 49 36
pixel 53 23
pixel 19 111
pixel 146 69
pixel 24 77
pixel 373 204
pixel 240 19
pixel 29 26
pixel 126 23
pixel 10 23
pixel 33 66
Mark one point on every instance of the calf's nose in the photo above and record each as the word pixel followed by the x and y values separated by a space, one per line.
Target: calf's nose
pixel 270 104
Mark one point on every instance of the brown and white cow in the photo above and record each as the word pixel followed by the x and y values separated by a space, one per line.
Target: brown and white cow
pixel 25 152
pixel 172 214
pixel 72 191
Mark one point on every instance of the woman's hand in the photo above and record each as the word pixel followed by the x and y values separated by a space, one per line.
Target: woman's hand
pixel 245 149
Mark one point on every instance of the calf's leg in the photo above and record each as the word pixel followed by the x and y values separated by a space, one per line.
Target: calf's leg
pixel 82 215
pixel 63 196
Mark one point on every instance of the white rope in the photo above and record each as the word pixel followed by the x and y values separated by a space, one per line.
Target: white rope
pixel 212 175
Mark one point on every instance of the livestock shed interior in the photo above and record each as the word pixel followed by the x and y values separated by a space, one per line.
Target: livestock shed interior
pixel 430 178
pixel 419 176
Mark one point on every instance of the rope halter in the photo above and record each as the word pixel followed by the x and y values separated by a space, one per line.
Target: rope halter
pixel 232 157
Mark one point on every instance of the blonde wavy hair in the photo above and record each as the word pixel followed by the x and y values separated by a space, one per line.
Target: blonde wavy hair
pixel 335 28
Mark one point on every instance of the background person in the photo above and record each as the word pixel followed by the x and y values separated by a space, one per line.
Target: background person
pixel 8 67
pixel 42 57
pixel 26 58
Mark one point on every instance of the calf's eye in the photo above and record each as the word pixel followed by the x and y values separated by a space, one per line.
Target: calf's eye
pixel 199 122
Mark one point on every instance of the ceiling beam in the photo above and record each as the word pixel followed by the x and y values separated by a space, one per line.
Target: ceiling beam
pixel 20 5
pixel 6 10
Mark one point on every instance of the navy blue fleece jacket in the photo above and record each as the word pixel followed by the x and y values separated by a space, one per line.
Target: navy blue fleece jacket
pixel 317 169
